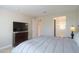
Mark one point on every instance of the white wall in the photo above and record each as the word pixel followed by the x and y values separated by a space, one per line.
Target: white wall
pixel 77 36
pixel 78 18
pixel 71 20
pixel 34 28
pixel 48 24
pixel 6 26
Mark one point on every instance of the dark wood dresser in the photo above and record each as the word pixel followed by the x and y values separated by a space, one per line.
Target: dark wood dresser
pixel 19 37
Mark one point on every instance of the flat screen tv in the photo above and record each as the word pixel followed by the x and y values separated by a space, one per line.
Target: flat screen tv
pixel 19 26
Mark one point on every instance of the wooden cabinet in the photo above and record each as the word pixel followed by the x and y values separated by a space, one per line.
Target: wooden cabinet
pixel 19 37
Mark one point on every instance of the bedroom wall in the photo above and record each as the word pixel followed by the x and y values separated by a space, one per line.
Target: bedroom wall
pixel 47 26
pixel 78 18
pixel 34 28
pixel 6 26
pixel 71 20
pixel 47 23
pixel 77 36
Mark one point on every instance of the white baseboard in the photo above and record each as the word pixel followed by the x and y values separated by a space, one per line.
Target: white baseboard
pixel 4 47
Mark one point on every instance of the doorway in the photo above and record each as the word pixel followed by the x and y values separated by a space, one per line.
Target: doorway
pixel 59 26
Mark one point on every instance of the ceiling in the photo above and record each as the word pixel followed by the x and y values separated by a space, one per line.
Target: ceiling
pixel 40 10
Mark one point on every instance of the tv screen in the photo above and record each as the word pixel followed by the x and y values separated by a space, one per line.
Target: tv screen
pixel 18 26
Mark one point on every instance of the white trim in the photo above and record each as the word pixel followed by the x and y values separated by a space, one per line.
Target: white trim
pixel 7 46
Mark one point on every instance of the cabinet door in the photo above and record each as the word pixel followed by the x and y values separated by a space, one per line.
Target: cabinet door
pixel 20 37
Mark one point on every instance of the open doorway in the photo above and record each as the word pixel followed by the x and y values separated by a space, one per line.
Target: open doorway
pixel 59 26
